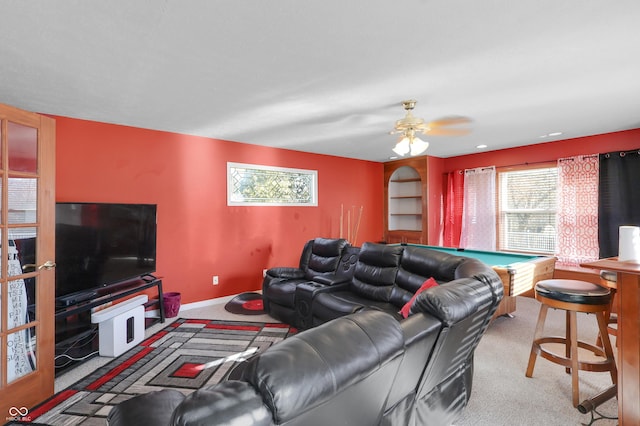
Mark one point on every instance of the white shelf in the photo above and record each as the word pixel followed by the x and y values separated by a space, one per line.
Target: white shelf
pixel 405 200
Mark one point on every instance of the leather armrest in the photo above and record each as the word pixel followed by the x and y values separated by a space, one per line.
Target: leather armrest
pixel 226 403
pixel 418 326
pixel 420 332
pixel 286 272
pixel 332 287
pixel 153 408
pixel 330 279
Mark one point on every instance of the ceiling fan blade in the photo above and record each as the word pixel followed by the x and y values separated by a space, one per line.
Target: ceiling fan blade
pixel 441 131
pixel 449 121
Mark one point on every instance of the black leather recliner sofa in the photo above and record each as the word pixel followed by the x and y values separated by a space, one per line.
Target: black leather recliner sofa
pixel 320 257
pixel 379 276
pixel 365 369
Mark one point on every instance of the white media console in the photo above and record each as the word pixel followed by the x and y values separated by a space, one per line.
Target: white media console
pixel 121 326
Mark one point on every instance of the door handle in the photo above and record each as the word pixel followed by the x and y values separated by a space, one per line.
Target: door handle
pixel 49 264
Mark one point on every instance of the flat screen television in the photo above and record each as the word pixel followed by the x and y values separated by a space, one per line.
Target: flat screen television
pixel 99 245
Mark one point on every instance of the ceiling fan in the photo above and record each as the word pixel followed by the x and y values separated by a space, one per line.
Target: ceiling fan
pixel 407 127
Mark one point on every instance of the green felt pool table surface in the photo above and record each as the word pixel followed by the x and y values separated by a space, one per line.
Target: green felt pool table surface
pixel 492 258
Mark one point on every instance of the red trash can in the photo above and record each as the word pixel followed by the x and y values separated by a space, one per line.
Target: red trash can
pixel 171 302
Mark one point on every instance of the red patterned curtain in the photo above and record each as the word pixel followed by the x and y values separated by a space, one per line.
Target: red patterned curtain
pixel 577 217
pixel 453 208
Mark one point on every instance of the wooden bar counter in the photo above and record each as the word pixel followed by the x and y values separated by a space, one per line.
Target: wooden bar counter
pixel 628 336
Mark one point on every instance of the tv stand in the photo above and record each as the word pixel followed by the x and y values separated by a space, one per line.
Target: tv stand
pixel 75 298
pixel 73 318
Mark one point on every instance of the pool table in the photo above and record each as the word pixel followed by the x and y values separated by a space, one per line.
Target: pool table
pixel 519 272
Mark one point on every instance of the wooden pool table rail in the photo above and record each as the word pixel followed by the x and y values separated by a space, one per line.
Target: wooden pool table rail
pixel 520 278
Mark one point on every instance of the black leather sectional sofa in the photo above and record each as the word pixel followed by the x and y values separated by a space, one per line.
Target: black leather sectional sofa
pixel 334 279
pixel 368 366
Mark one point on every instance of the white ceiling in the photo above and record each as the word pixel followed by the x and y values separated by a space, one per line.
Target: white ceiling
pixel 328 76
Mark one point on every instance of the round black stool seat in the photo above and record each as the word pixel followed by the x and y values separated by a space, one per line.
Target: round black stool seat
pixel 574 291
pixel 573 297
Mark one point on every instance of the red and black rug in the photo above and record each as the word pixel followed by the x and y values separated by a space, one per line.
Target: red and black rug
pixel 186 355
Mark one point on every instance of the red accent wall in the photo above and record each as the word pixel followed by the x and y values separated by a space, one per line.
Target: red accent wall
pixel 550 151
pixel 198 234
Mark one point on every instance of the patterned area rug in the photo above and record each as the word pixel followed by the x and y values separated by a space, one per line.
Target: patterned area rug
pixel 186 355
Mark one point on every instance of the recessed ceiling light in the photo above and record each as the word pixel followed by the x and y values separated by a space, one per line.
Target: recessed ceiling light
pixel 481 146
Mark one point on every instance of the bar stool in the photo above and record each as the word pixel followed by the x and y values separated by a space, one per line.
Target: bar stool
pixel 573 296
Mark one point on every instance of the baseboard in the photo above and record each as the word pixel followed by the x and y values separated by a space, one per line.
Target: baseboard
pixel 195 305
pixel 205 303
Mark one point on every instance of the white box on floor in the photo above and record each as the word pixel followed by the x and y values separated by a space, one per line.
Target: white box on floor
pixel 121 326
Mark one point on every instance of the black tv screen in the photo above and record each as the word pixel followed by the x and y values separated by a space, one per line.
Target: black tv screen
pixel 98 244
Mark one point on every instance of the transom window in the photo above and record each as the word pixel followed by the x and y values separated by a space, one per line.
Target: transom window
pixel 527 210
pixel 255 185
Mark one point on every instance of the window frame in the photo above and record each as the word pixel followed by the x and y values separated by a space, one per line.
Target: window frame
pixel 499 210
pixel 312 173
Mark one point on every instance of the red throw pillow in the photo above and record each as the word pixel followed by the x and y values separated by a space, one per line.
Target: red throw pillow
pixel 427 284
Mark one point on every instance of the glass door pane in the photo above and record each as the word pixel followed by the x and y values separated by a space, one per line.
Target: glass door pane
pixel 21 354
pixel 27 201
pixel 23 195
pixel 23 148
pixel 21 228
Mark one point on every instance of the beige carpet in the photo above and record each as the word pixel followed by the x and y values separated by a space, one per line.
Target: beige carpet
pixel 502 395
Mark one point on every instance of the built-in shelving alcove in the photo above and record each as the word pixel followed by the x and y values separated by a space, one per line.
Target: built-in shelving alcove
pixel 405 187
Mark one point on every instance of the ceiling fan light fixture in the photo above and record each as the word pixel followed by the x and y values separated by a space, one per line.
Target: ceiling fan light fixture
pixel 403 146
pixel 409 126
pixel 418 146
pixel 410 145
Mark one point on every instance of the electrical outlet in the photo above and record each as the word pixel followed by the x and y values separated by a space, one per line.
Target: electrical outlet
pixel 215 280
